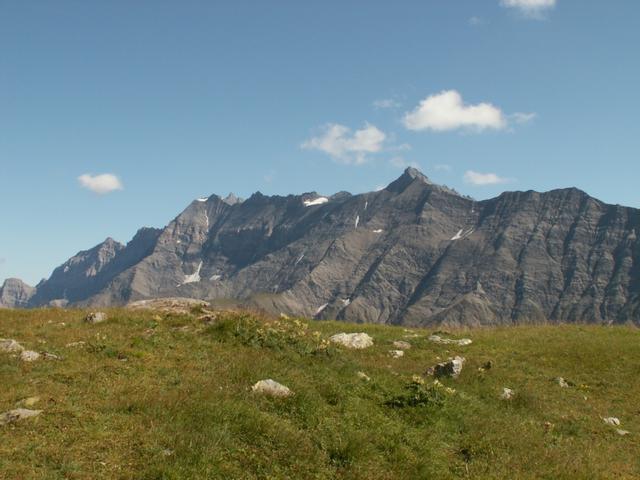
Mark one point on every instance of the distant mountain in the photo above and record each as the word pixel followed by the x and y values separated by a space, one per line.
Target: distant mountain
pixel 414 253
pixel 14 293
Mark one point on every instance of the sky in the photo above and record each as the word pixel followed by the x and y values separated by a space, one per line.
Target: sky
pixel 116 115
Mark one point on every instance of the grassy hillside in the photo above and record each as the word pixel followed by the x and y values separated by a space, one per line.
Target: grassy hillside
pixel 151 395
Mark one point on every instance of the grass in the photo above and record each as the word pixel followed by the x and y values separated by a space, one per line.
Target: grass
pixel 158 396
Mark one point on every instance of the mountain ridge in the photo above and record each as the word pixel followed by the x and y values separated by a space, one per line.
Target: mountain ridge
pixel 412 253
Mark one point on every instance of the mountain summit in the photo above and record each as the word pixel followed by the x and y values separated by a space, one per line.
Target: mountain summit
pixel 414 253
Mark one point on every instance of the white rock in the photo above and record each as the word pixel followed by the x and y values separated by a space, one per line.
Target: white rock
pixel 352 340
pixel 363 376
pixel 401 345
pixel 8 345
pixel 448 341
pixel 74 344
pixel 507 394
pixel 613 421
pixel 450 368
pixel 396 353
pixel 17 414
pixel 271 388
pixel 562 382
pixel 96 317
pixel 29 356
pixel 621 432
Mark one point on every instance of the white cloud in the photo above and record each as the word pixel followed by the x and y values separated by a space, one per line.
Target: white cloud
pixel 530 8
pixel 520 117
pixel 446 111
pixel 482 179
pixel 100 184
pixel 386 103
pixel 338 142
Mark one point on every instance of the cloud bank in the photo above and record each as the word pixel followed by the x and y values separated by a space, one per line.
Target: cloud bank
pixel 482 179
pixel 447 111
pixel 100 184
pixel 340 144
pixel 530 8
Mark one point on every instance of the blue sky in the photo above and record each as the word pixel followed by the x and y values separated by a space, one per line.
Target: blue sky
pixel 182 99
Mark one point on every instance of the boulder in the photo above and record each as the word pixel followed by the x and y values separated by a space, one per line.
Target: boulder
pixel 29 356
pixel 8 345
pixel 507 394
pixel 613 421
pixel 271 388
pixel 17 414
pixel 450 368
pixel 352 340
pixel 450 341
pixel 96 317
pixel 402 345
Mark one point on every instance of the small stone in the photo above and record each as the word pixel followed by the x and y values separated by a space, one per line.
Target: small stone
pixel 363 376
pixel 507 394
pixel 396 353
pixel 29 356
pixel 450 368
pixel 352 340
pixel 621 432
pixel 51 356
pixel 562 382
pixel 17 415
pixel 74 344
pixel 486 366
pixel 613 421
pixel 271 388
pixel 402 345
pixel 208 319
pixel 96 317
pixel 446 341
pixel 8 345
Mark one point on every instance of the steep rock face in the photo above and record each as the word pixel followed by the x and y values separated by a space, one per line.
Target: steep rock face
pixel 88 272
pixel 14 293
pixel 412 253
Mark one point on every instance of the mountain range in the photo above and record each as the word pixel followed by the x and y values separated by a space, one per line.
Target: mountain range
pixel 413 253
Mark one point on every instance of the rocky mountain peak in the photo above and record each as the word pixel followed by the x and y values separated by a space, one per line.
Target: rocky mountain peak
pixel 409 176
pixel 417 253
pixel 232 199
pixel 15 293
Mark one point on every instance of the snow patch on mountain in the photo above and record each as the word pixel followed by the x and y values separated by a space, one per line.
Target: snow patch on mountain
pixel 317 201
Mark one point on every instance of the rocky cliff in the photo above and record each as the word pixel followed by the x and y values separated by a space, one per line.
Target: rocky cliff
pixel 413 253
